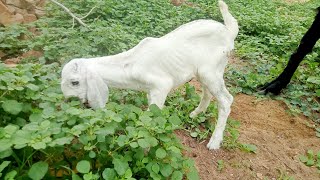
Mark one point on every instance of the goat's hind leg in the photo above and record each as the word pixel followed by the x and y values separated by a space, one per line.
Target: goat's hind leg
pixel 218 89
pixel 204 103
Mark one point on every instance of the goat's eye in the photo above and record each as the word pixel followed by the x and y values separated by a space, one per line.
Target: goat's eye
pixel 74 83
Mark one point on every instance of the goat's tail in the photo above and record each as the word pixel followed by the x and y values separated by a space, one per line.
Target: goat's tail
pixel 229 21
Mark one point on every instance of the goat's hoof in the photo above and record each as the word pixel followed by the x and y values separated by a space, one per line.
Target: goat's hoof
pixel 262 92
pixel 193 114
pixel 214 145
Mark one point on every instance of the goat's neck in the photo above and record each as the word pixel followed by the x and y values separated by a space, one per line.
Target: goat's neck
pixel 113 71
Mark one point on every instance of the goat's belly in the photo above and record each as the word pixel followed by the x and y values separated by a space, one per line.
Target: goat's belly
pixel 181 75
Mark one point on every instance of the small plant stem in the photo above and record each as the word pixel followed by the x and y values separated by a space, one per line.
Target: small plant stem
pixel 4 93
pixel 88 13
pixel 69 12
pixel 24 163
pixel 16 158
pixel 111 152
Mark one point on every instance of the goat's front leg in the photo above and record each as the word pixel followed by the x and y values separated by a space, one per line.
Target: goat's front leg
pixel 158 93
pixel 158 97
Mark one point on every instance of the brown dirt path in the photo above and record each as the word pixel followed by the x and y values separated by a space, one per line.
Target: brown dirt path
pixel 279 137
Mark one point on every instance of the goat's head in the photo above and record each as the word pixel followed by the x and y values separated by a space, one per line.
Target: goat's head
pixel 80 80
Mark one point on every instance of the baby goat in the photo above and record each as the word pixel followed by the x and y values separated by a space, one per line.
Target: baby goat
pixel 157 65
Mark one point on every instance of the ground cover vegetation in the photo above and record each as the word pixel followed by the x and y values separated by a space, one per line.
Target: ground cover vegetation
pixel 43 136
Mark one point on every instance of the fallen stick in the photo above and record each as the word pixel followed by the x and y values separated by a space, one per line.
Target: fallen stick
pixel 70 13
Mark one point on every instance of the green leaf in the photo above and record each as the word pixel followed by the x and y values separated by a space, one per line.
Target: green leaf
pixel 175 149
pixel 84 139
pixel 155 110
pixel 38 170
pixel 134 144
pixel 108 129
pixel 10 129
pixel 117 119
pixel 10 175
pixel 120 166
pixel 164 138
pixel 128 173
pixel 310 162
pixel 45 124
pixel 62 141
pixel 249 148
pixel 3 165
pixel 109 174
pixel 92 154
pixel 314 80
pixel 35 117
pixel 220 165
pixel 145 119
pixel 5 144
pixel 73 111
pixel 194 134
pixel 175 120
pixel 39 145
pixel 12 106
pixel 193 175
pixel 189 163
pixel 176 175
pixel 143 143
pixel 161 153
pixel 21 137
pixel 303 159
pixel 310 154
pixel 5 154
pixel 75 176
pixel 166 170
pixel 160 121
pixel 155 168
pixel 33 87
pixel 152 141
pixel 83 166
pixel 121 140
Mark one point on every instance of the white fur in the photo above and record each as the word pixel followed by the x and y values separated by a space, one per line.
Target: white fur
pixel 157 65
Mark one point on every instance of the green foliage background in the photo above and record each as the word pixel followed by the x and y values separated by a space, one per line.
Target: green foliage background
pixel 40 134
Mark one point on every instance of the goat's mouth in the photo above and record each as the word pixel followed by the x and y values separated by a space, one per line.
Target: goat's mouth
pixel 83 102
pixel 86 104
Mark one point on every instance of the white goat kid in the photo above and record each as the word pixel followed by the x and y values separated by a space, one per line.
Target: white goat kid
pixel 157 65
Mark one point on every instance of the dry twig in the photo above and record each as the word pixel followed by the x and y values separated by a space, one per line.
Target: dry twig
pixel 71 14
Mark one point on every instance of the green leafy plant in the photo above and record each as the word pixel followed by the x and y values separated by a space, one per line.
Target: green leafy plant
pixel 220 165
pixel 283 175
pixel 311 159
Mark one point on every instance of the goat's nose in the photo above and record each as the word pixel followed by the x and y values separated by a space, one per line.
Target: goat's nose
pixel 86 104
pixel 69 99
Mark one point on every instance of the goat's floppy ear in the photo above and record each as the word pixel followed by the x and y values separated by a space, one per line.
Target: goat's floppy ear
pixel 97 90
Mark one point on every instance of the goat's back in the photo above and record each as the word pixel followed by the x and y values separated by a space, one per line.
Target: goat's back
pixel 205 30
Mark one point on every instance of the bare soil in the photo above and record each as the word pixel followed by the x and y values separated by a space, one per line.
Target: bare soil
pixel 280 138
